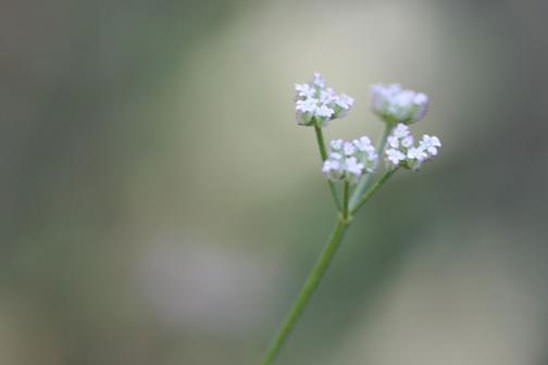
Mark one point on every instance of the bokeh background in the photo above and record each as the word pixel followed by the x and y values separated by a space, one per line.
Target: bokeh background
pixel 159 204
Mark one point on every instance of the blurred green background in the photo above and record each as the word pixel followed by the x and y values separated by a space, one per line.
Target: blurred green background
pixel 161 206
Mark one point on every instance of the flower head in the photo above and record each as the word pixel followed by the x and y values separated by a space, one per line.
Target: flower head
pixel 396 105
pixel 349 160
pixel 316 103
pixel 400 150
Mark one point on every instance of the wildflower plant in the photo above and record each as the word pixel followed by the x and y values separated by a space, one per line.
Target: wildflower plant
pixel 350 165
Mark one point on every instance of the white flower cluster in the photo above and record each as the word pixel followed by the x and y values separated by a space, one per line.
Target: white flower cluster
pixel 317 102
pixel 401 151
pixel 349 160
pixel 396 105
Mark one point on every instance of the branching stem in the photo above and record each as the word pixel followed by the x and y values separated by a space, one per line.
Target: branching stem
pixel 349 207
pixel 362 184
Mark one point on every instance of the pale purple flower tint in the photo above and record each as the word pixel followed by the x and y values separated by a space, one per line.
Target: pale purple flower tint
pixel 395 104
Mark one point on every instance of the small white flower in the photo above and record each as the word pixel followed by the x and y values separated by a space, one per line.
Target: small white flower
pixel 430 144
pixel 353 166
pixel 364 144
pixel 305 91
pixel 407 141
pixel 332 169
pixel 366 152
pixel 420 98
pixel 380 94
pixel 401 101
pixel 336 144
pixel 348 148
pixel 401 131
pixel 415 157
pixel 324 111
pixel 318 80
pixel 416 153
pixel 394 156
pixel 344 101
pixel 353 169
pixel 335 156
pixel 393 141
pixel 330 165
pixel 422 106
pixel 307 105
pixel 306 110
pixel 327 96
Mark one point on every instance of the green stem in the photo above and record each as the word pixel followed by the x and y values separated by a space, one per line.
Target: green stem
pixel 350 206
pixel 346 194
pixel 323 154
pixel 362 184
pixel 321 266
pixel 307 290
pixel 369 193
pixel 321 143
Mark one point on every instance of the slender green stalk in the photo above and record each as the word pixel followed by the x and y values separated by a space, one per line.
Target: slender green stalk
pixel 362 184
pixel 323 154
pixel 307 290
pixel 346 194
pixel 321 143
pixel 321 266
pixel 369 193
pixel 327 254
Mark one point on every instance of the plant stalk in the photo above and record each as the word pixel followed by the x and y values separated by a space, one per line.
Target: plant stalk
pixel 323 154
pixel 307 290
pixel 362 184
pixel 350 206
pixel 346 195
pixel 369 193
pixel 321 266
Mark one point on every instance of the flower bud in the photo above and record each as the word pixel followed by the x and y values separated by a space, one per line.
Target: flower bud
pixel 396 105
